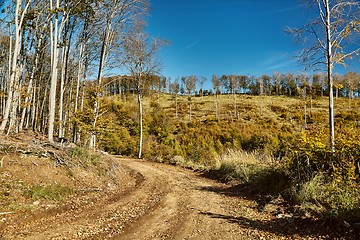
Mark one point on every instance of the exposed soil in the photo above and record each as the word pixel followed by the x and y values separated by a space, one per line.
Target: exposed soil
pixel 138 199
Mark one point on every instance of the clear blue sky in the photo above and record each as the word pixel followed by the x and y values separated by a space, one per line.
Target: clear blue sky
pixel 227 36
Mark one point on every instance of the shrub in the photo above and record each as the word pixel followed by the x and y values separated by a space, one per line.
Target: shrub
pixel 327 182
pixel 323 196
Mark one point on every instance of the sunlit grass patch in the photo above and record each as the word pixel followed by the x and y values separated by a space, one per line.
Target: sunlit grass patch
pixel 48 192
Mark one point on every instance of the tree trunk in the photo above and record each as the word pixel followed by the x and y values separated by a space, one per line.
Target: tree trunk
pixel 99 82
pixel 216 106
pixel 77 91
pixel 349 99
pixel 305 108
pixel 54 73
pixel 190 113
pixel 330 79
pixel 30 86
pixel 234 95
pixel 13 70
pixel 14 106
pixel 61 91
pixel 141 124
pixel 176 106
pixel 42 115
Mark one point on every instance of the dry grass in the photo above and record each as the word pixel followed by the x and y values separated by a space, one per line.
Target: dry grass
pixel 242 165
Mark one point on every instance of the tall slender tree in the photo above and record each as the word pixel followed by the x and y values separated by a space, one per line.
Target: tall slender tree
pixel 175 89
pixel 140 59
pixel 216 86
pixel 115 16
pixel 333 34
pixel 190 85
pixel 21 10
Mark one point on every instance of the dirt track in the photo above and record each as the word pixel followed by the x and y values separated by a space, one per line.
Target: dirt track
pixel 162 202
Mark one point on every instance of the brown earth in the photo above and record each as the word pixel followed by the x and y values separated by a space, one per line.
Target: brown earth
pixel 138 199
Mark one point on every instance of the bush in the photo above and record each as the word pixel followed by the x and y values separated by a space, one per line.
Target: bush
pixel 323 196
pixel 327 182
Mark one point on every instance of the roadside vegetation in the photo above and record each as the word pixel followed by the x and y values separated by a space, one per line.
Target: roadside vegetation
pixel 269 149
pixel 35 175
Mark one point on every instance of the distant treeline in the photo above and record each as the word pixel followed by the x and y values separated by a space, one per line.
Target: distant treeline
pixel 347 85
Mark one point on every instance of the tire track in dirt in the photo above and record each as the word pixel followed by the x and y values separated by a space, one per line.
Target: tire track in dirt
pixel 164 202
pixel 110 219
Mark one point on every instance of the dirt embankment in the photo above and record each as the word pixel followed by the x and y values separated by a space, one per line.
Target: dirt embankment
pixel 137 199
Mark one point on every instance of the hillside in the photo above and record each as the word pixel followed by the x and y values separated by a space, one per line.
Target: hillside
pixel 118 198
pixel 260 123
pixel 277 176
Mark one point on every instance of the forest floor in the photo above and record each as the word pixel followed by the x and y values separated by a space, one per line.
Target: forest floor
pixel 138 199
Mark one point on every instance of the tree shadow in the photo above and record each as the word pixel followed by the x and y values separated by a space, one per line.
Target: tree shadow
pixel 245 191
pixel 289 226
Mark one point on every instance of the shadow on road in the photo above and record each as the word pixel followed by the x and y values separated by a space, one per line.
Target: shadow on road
pixel 288 226
pixel 303 228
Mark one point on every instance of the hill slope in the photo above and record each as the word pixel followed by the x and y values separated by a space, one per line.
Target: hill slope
pixel 119 198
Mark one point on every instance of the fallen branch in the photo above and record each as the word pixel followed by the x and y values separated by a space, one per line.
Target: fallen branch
pixel 59 160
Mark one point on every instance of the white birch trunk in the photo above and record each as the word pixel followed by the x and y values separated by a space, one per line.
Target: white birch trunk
pixel 13 70
pixel 77 92
pixel 330 77
pixel 54 70
pixel 176 106
pixel 61 97
pixel 216 106
pixel 99 81
pixel 30 86
pixel 141 124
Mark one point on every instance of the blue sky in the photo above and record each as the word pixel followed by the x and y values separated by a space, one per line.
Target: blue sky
pixel 227 36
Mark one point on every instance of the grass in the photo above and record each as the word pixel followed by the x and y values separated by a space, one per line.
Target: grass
pixel 262 145
pixel 240 165
pixel 84 156
pixel 256 169
pixel 323 196
pixel 182 162
pixel 48 192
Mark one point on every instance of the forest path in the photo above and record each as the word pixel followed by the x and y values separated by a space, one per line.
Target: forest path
pixel 164 202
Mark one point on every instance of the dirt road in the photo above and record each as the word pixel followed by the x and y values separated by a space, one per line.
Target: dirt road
pixel 161 202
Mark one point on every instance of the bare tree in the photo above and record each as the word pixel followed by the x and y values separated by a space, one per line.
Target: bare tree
pixel 175 89
pixel 304 81
pixel 202 80
pixel 190 85
pixel 318 83
pixel 15 67
pixel 261 82
pixel 351 79
pixel 233 86
pixel 333 35
pixel 140 59
pixel 114 16
pixel 338 83
pixel 216 86
pixel 276 79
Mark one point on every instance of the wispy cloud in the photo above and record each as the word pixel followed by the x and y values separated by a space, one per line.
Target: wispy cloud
pixel 191 45
pixel 279 11
pixel 276 61
pixel 284 10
